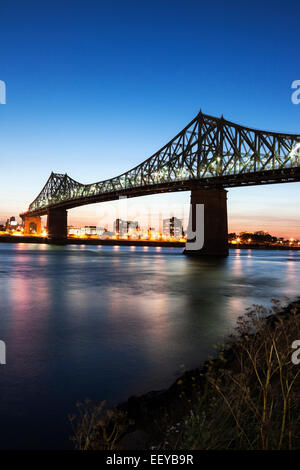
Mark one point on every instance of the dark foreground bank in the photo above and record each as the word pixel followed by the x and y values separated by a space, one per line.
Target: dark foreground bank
pixel 245 398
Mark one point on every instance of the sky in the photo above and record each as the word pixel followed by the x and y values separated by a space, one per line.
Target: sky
pixel 94 88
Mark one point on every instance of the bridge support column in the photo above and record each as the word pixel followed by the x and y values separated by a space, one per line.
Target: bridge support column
pixel 212 228
pixel 57 225
pixel 32 225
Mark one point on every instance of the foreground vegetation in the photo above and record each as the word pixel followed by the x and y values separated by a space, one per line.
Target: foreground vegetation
pixel 246 398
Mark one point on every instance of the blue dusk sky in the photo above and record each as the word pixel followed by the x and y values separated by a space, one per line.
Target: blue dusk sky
pixel 94 88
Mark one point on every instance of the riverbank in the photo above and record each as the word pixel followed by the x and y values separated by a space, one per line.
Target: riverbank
pixel 245 398
pixel 92 241
pixel 242 246
pixel 167 244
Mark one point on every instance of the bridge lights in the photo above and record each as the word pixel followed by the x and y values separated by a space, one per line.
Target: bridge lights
pixel 295 152
pixel 155 175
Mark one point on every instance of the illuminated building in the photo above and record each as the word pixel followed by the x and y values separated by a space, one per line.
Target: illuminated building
pixel 81 231
pixel 125 227
pixel 172 227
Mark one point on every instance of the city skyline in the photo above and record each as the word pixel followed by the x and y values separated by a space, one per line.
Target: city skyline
pixel 155 224
pixel 284 224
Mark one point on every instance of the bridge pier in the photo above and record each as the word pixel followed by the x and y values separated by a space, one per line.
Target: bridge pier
pixel 32 225
pixel 57 225
pixel 212 229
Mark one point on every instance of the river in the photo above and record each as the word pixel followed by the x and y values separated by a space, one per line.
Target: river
pixel 110 322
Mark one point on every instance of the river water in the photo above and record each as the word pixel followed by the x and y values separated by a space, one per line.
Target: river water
pixel 110 322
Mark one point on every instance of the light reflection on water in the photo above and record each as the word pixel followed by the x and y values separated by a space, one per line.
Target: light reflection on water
pixel 107 323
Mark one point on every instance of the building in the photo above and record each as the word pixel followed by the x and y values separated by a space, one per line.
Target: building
pixel 90 230
pixel 106 234
pixel 82 231
pixel 125 227
pixel 172 227
pixel 152 232
pixel 74 231
pixel 12 225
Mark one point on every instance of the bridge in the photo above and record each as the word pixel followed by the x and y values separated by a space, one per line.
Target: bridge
pixel 207 156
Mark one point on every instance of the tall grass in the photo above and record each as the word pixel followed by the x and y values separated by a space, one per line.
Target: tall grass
pixel 98 428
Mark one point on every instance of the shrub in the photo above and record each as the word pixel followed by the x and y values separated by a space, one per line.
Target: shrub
pixel 98 428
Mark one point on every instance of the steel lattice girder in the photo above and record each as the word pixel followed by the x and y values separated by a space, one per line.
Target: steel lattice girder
pixel 209 151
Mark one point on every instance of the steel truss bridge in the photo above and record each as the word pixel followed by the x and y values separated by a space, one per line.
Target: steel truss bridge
pixel 209 152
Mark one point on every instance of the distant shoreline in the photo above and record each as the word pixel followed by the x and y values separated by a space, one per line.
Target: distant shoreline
pixel 264 247
pixel 92 241
pixel 166 244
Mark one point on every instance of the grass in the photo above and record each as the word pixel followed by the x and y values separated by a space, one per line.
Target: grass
pixel 98 428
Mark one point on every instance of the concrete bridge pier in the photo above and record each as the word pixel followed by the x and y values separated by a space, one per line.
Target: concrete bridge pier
pixel 208 229
pixel 57 225
pixel 32 225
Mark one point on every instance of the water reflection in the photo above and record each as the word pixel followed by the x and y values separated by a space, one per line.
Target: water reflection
pixel 108 322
